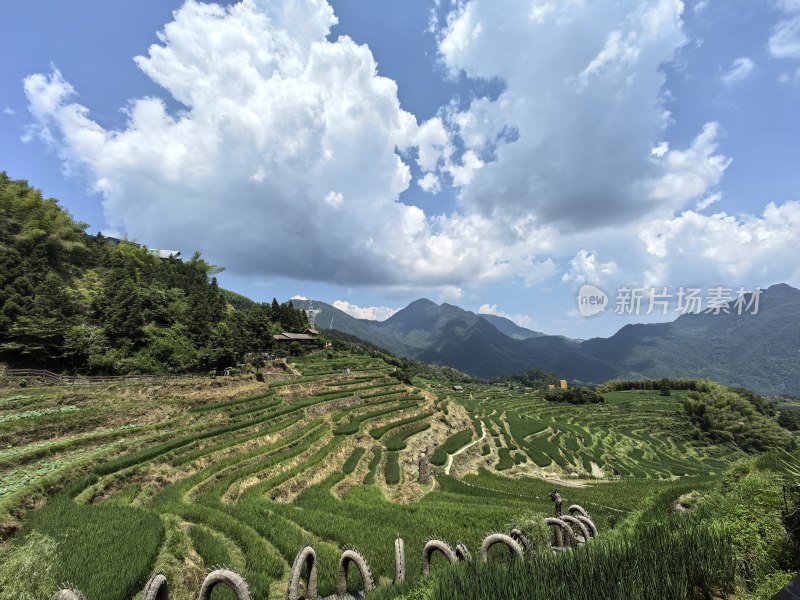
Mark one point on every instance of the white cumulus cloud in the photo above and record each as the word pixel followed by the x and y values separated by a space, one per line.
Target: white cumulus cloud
pixel 518 318
pixel 748 249
pixel 286 159
pixel 785 39
pixel 288 156
pixel 372 313
pixel 570 138
pixel 704 203
pixel 740 69
pixel 585 268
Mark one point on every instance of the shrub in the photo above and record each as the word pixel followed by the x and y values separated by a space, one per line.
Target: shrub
pixel 724 415
pixel 398 440
pixel 505 460
pixel 377 454
pixel 574 396
pixel 454 443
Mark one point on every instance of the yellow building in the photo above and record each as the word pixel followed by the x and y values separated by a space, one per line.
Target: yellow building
pixel 563 384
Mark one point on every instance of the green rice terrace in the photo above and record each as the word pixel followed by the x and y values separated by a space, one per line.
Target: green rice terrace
pixel 108 484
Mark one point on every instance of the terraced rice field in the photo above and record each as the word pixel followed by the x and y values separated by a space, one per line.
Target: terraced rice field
pixel 182 479
pixel 638 434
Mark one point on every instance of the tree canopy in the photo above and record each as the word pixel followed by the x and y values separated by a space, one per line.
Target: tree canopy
pixel 87 303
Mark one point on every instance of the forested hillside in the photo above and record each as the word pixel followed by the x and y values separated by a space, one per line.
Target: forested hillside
pixel 76 302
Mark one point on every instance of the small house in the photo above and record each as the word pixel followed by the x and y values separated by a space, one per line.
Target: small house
pixel 563 384
pixel 300 338
pixel 458 388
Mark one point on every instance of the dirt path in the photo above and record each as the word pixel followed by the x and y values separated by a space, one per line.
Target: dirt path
pixel 467 447
pixel 292 368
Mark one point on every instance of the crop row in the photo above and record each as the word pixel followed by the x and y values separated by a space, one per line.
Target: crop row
pixel 451 445
pixel 379 432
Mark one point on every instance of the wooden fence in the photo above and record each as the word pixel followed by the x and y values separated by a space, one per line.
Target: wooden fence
pixel 56 378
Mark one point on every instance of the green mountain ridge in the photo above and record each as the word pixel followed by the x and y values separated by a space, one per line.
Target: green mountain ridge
pixel 511 329
pixel 760 352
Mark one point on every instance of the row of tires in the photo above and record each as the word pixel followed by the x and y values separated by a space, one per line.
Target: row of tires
pixel 517 542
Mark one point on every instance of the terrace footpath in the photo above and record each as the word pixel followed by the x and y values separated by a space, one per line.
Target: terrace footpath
pixel 450 457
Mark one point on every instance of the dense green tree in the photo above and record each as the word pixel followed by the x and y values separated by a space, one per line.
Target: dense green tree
pixel 38 335
pixel 169 349
pixel 574 396
pixel 789 419
pixel 260 327
pixel 533 378
pixel 93 304
pixel 221 350
pixel 121 309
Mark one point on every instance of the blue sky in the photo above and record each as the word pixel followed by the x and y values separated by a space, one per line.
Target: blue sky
pixel 497 160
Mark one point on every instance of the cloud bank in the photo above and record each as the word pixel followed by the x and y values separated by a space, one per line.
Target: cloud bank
pixel 291 153
pixel 520 319
pixel 371 313
pixel 570 138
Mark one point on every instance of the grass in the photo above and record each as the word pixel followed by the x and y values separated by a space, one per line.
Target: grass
pixel 669 560
pixel 247 476
pixel 107 551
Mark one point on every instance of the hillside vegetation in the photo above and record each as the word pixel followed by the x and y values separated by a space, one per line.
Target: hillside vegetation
pixel 187 475
pixel 71 301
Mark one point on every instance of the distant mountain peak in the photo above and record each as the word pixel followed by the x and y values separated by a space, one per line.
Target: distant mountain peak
pixel 759 352
pixel 782 289
pixel 422 302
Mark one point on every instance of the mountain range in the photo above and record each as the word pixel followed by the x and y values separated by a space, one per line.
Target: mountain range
pixel 759 351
